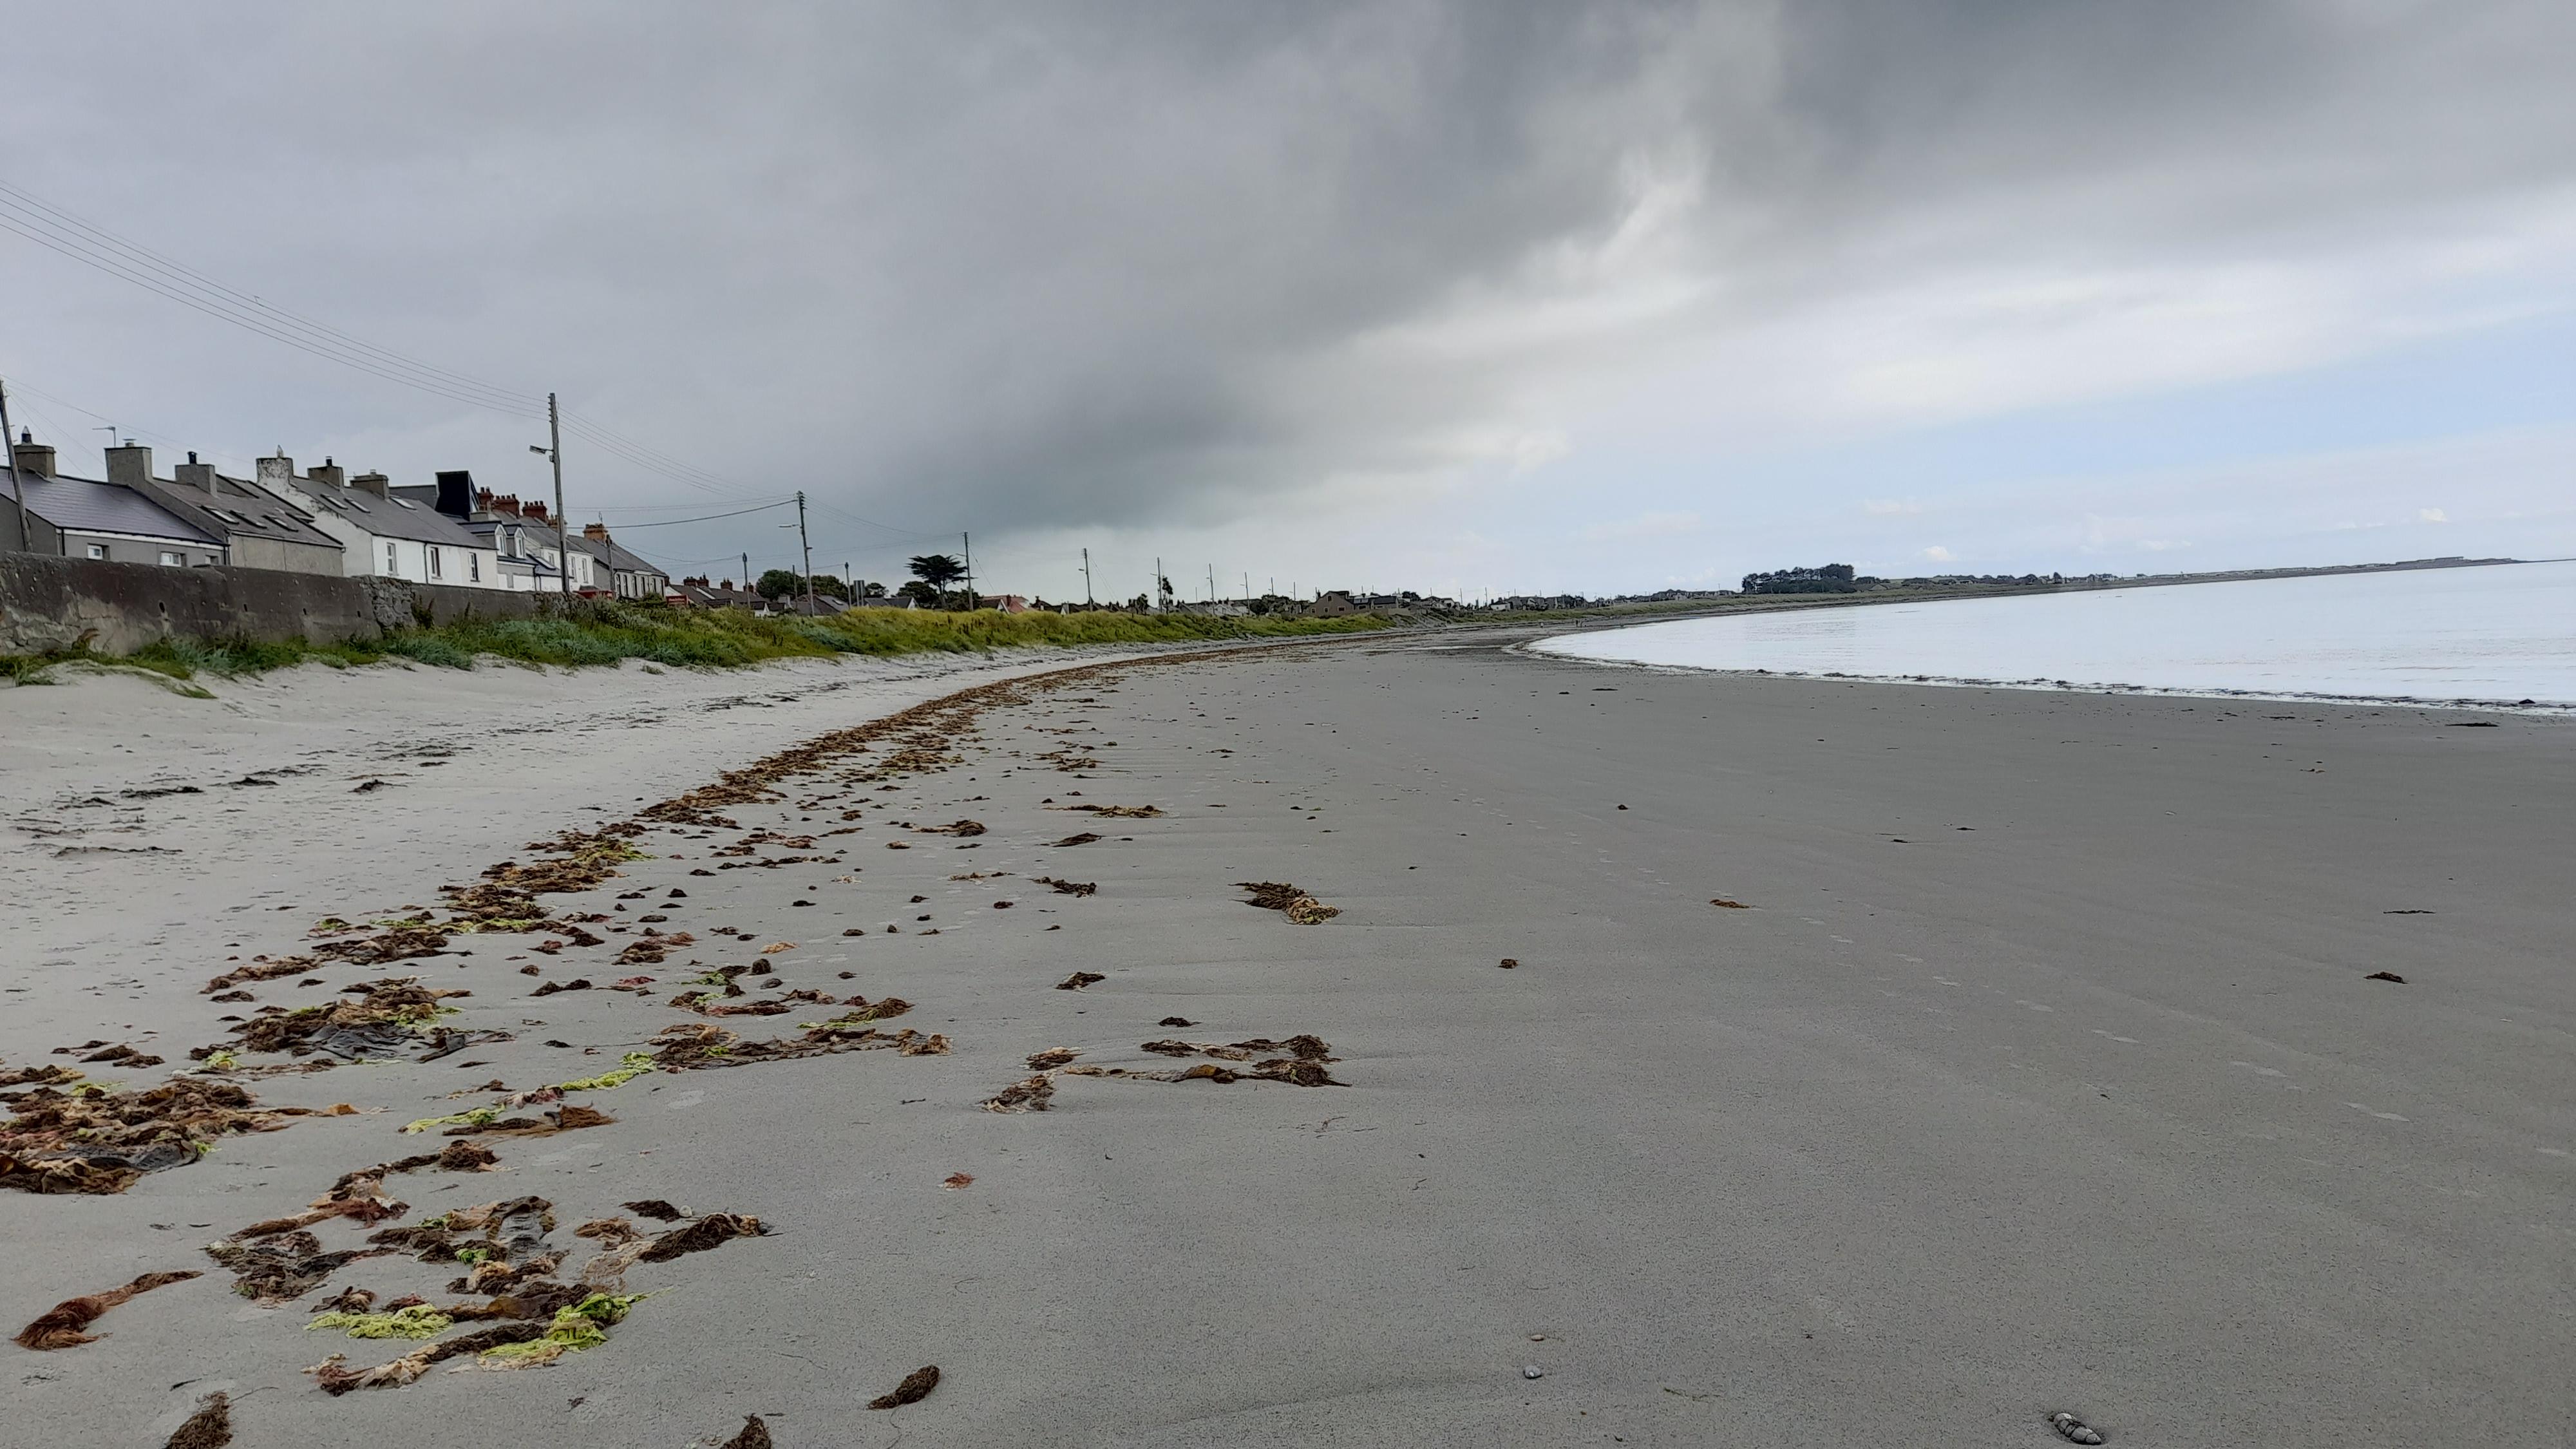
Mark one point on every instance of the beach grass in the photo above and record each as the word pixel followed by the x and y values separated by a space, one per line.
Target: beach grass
pixel 602 632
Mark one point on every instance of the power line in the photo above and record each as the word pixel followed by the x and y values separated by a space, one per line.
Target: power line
pixel 709 518
pixel 89 242
pixel 78 239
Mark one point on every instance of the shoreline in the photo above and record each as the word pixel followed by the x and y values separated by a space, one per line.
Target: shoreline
pixel 2532 708
pixel 2041 1073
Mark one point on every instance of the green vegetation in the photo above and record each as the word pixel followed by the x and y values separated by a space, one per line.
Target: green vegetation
pixel 632 1065
pixel 417 1321
pixel 602 632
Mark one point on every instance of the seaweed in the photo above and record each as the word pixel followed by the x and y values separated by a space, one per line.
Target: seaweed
pixel 1069 887
pixel 1078 980
pixel 1051 1058
pixel 418 1320
pixel 95 1140
pixel 1030 1095
pixel 282 1268
pixel 916 1386
pixel 714 1230
pixel 211 1427
pixel 1289 901
pixel 61 1325
pixel 754 1435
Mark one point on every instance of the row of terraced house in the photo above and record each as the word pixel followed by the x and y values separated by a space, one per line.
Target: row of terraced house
pixel 320 521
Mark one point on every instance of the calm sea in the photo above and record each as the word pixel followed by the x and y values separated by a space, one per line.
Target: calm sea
pixel 2504 634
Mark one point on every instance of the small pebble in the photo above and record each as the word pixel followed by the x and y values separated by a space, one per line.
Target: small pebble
pixel 1532 1371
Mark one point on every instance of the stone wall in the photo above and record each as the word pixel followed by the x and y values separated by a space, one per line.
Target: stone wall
pixel 50 604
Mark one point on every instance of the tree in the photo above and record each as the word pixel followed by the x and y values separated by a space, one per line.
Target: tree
pixel 921 594
pixel 938 570
pixel 779 583
pixel 872 590
pixel 829 586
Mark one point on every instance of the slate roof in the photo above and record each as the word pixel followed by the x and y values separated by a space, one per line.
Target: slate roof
pixel 396 517
pixel 239 508
pixel 87 505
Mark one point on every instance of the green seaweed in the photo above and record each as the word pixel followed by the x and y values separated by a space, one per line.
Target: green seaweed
pixel 418 1321
pixel 477 1117
pixel 630 1066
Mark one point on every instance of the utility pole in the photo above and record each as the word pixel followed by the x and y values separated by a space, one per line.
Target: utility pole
pixel 1158 583
pixel 746 573
pixel 1211 583
pixel 968 541
pixel 1086 576
pixel 808 545
pixel 17 489
pixel 563 526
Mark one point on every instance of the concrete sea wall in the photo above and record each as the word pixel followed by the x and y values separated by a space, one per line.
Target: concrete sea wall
pixel 61 603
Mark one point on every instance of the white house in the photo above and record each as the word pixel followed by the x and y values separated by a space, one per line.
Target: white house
pixel 385 536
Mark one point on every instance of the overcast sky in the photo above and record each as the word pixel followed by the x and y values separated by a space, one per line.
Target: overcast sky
pixel 1447 296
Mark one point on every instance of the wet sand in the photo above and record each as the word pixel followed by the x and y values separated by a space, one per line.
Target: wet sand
pixel 2041 1072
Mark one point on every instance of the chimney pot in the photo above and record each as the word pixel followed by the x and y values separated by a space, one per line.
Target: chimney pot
pixel 597 531
pixel 329 475
pixel 376 483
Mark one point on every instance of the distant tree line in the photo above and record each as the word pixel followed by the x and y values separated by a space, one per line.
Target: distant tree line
pixel 1828 579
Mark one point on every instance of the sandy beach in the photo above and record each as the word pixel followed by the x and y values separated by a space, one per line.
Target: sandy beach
pixel 2037 1065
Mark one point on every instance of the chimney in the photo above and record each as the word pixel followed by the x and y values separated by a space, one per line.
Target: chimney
pixel 330 475
pixel 533 511
pixel 375 483
pixel 129 465
pixel 482 501
pixel 276 471
pixel 456 493
pixel 193 474
pixel 596 532
pixel 506 505
pixel 35 457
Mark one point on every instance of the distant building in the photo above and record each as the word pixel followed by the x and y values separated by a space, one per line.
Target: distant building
pixel 90 519
pixel 699 594
pixel 1007 603
pixel 383 536
pixel 259 529
pixel 1332 604
pixel 629 576
pixel 521 533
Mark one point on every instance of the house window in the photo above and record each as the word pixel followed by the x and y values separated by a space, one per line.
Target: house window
pixel 98 550
pixel 390 566
pixel 433 560
pixel 473 568
pixel 170 560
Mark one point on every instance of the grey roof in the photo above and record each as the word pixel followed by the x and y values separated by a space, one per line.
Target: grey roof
pixel 88 505
pixel 617 555
pixel 239 508
pixel 395 517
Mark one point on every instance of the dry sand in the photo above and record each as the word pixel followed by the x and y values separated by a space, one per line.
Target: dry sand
pixel 2042 1072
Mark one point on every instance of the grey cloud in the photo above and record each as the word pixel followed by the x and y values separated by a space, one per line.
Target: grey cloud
pixel 1028 266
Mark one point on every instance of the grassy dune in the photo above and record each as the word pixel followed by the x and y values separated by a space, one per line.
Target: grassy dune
pixel 597 632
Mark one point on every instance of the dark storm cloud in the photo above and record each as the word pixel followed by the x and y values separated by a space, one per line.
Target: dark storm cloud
pixel 1021 266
